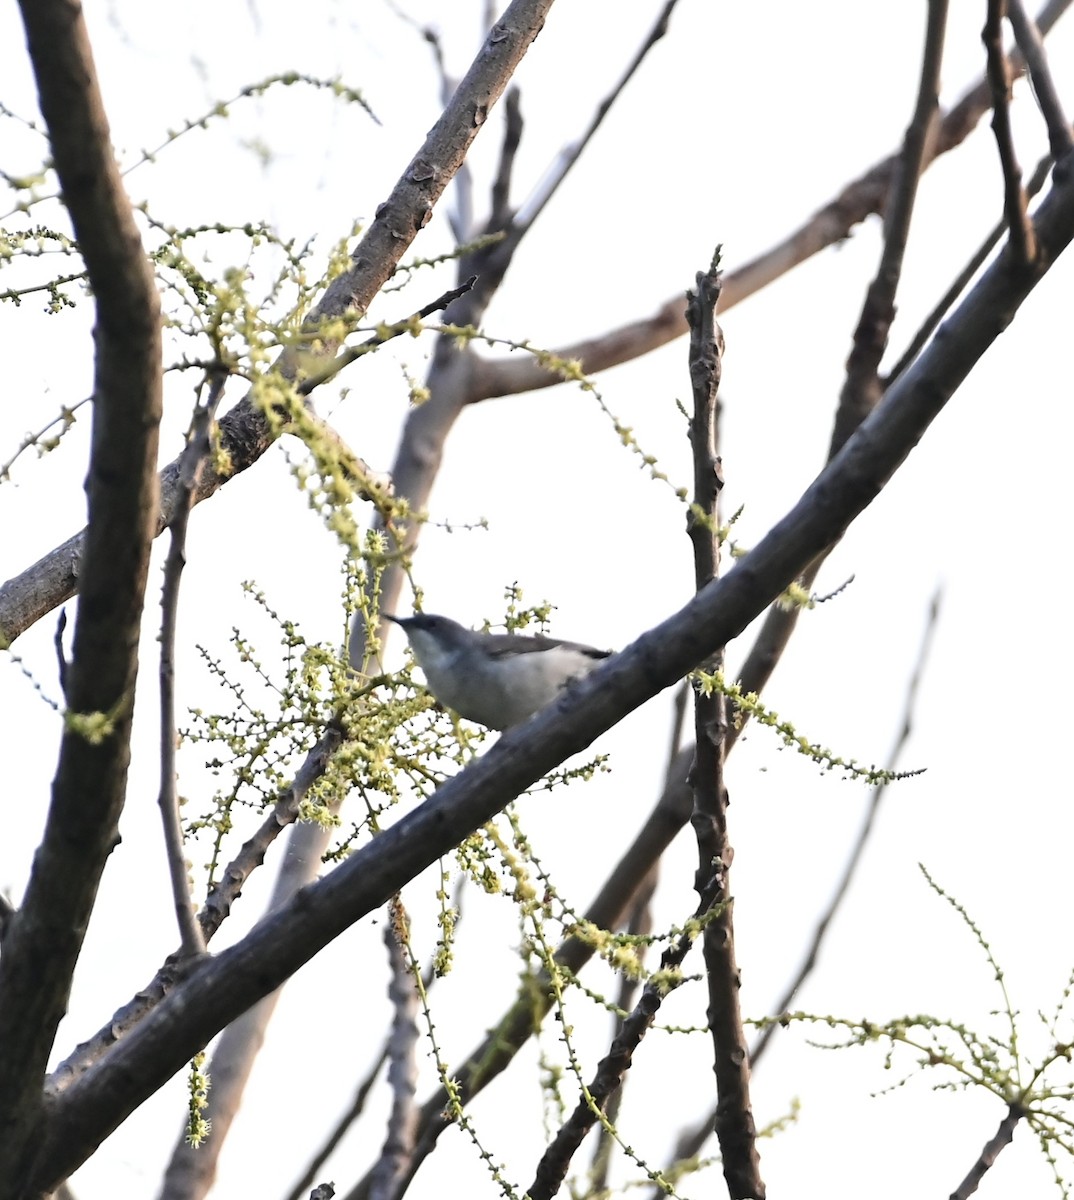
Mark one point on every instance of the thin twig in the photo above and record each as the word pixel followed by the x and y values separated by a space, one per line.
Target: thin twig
pixel 1022 241
pixel 197 450
pixel 500 215
pixel 61 656
pixel 552 1168
pixel 962 280
pixel 1027 35
pixel 284 813
pixel 639 921
pixel 357 1105
pixel 809 962
pixel 557 173
pixel 862 389
pixel 384 333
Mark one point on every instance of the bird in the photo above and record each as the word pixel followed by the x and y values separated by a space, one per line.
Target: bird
pixel 495 679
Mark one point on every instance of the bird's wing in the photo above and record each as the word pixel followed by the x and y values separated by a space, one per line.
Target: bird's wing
pixel 506 645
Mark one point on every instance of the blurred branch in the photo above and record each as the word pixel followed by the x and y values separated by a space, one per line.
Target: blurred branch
pixel 555 175
pixel 858 849
pixel 402 1066
pixel 1022 242
pixel 1002 1138
pixel 197 450
pixel 862 388
pixel 1030 43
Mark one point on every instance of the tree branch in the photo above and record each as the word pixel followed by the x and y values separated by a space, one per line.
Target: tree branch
pixel 731 1065
pixel 1022 243
pixel 44 937
pixel 398 1146
pixel 991 1151
pixel 197 450
pixel 1031 45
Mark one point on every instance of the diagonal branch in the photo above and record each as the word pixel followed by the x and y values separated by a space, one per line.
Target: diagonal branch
pixel 1029 41
pixel 90 783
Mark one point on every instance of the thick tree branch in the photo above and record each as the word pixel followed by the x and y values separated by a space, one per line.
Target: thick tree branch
pixel 44 937
pixel 216 991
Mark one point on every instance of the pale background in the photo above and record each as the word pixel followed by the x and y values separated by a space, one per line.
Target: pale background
pixel 742 122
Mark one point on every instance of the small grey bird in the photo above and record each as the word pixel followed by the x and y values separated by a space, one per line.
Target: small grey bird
pixel 495 679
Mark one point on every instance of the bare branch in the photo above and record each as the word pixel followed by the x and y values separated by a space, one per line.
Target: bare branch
pixel 862 390
pixel 1022 242
pixel 90 783
pixel 198 449
pixel 991 1151
pixel 858 849
pixel 500 215
pixel 394 1161
pixel 962 281
pixel 538 201
pixel 1041 78
pixel 731 1065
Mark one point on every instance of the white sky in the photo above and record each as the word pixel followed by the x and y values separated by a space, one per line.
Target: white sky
pixel 744 120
